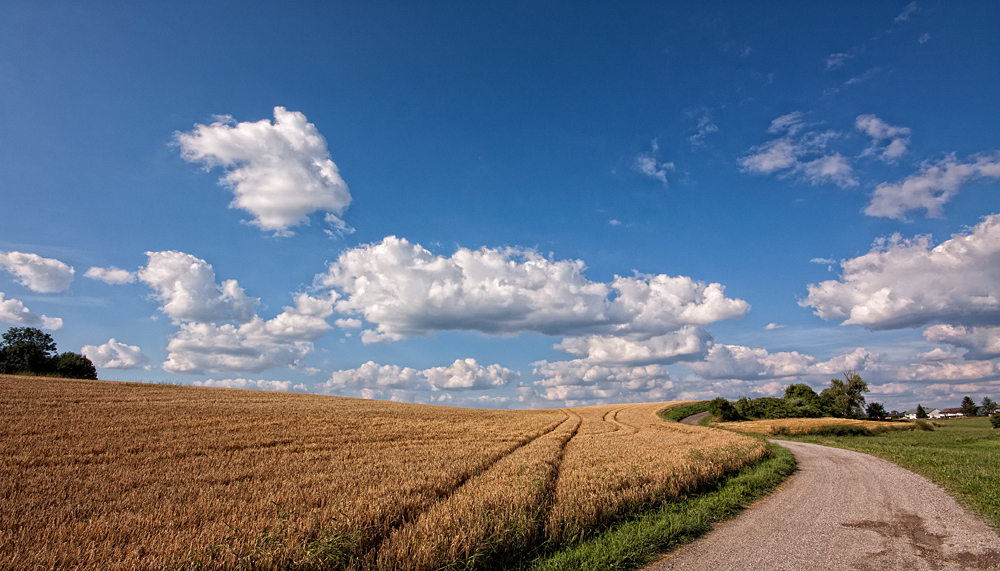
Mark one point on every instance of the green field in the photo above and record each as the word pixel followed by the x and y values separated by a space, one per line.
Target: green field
pixel 960 455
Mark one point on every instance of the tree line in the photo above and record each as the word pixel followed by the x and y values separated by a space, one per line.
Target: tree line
pixel 843 398
pixel 30 351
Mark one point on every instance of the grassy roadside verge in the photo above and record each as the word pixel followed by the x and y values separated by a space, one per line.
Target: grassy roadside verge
pixel 960 455
pixel 636 541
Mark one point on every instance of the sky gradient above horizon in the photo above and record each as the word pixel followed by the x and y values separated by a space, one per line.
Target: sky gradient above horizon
pixel 508 206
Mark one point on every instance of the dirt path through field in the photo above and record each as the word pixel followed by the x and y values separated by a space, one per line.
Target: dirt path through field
pixel 845 510
pixel 695 418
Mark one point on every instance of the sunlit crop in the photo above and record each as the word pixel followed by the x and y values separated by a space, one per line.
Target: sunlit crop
pixel 101 475
pixel 803 425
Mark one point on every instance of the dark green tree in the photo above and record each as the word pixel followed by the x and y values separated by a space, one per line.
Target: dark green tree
pixel 803 393
pixel 921 413
pixel 74 366
pixel 845 398
pixel 875 411
pixel 723 410
pixel 989 407
pixel 26 350
pixel 969 407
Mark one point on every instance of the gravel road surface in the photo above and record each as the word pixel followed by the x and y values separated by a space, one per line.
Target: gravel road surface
pixel 695 418
pixel 845 510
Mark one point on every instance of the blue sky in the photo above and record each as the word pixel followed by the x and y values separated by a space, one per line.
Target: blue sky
pixel 514 205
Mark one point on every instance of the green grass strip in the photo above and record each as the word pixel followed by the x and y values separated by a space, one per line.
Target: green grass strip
pixel 679 413
pixel 635 542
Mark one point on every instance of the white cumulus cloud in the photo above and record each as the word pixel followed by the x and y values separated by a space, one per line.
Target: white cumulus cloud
pixel 115 355
pixel 981 342
pixel 687 343
pixel 407 291
pixel 374 381
pixel 931 188
pixel 13 311
pixel 755 363
pixel 909 282
pixel 468 374
pixel 278 386
pixel 111 275
pixel 186 286
pixel 42 275
pixel 253 346
pixel 280 172
pixel 579 382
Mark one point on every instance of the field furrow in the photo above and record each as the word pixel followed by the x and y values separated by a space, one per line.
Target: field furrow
pixel 497 511
pixel 624 457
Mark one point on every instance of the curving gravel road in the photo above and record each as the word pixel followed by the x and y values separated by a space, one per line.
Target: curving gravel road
pixel 845 510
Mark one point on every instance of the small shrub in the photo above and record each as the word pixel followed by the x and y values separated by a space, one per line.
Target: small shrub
pixel 995 419
pixel 840 430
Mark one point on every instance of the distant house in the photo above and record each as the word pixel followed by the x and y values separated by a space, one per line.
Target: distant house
pixel 931 413
pixel 952 413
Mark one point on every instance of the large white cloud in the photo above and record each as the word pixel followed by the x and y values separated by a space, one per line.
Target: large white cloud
pixel 373 376
pixel 755 363
pixel 13 311
pixel 931 188
pixel 42 275
pixel 186 286
pixel 945 371
pixel 909 283
pixel 111 275
pixel 406 291
pixel 374 381
pixel 889 142
pixel 115 355
pixel 279 172
pixel 578 382
pixel 281 386
pixel 982 342
pixel 689 342
pixel 468 374
pixel 253 346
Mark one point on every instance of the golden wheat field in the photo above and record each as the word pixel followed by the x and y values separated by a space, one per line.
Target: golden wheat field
pixel 799 425
pixel 105 475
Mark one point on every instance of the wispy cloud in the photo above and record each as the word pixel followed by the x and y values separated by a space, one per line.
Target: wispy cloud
pixel 799 153
pixel 837 60
pixel 905 14
pixel 704 128
pixel 892 141
pixel 649 165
